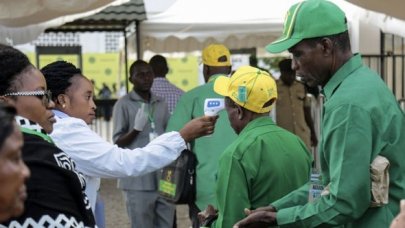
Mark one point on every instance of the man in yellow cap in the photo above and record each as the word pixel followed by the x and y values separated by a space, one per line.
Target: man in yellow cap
pixel 265 162
pixel 362 125
pixel 217 61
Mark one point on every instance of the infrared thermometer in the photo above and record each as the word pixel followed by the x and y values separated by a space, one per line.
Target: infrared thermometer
pixel 213 105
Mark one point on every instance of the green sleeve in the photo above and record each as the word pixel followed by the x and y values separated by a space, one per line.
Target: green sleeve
pixel 296 197
pixel 182 114
pixel 233 187
pixel 345 160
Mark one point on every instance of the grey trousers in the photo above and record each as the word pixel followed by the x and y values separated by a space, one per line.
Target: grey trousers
pixel 146 209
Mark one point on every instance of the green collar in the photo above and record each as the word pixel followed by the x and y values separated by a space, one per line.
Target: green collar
pixel 353 64
pixel 263 120
pixel 214 77
pixel 32 132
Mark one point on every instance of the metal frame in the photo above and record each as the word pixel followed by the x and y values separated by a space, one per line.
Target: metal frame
pixel 390 63
pixel 59 50
pixel 122 18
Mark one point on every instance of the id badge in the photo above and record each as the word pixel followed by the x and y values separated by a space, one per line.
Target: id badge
pixel 315 188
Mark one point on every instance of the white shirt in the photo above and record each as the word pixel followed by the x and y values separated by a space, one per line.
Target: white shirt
pixel 95 157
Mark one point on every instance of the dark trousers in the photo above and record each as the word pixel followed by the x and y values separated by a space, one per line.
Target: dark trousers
pixel 175 219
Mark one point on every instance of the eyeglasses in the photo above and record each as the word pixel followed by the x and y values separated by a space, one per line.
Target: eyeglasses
pixel 44 95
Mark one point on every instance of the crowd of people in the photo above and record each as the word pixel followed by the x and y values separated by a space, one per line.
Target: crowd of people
pixel 252 171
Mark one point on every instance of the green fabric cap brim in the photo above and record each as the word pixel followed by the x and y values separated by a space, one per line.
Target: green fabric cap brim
pixel 282 45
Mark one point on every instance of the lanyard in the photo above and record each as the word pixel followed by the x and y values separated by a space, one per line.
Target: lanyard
pixel 150 113
pixel 32 132
pixel 151 110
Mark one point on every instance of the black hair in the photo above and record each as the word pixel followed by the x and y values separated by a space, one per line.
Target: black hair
pixel 58 76
pixel 285 66
pixel 7 114
pixel 134 65
pixel 253 61
pixel 12 63
pixel 159 65
pixel 341 40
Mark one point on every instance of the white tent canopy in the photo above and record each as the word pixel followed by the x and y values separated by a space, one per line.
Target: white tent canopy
pixel 393 8
pixel 15 13
pixel 22 21
pixel 189 25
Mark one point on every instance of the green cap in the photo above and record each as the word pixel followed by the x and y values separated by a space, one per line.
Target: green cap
pixel 309 19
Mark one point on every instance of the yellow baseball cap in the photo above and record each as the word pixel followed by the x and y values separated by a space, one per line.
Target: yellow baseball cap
pixel 249 87
pixel 216 55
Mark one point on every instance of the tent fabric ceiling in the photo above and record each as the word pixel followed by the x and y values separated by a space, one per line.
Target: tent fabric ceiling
pixel 111 18
pixel 190 24
pixel 393 8
pixel 20 13
pixel 26 32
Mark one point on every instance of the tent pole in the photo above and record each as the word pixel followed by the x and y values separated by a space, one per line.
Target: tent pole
pixel 382 54
pixel 138 40
pixel 126 59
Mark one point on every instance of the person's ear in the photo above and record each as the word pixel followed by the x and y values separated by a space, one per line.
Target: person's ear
pixel 240 112
pixel 327 46
pixel 62 100
pixel 206 70
pixel 131 78
pixel 7 100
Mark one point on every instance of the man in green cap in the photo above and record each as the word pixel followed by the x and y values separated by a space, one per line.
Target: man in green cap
pixel 363 130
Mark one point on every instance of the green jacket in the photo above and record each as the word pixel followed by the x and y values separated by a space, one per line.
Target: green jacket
pixel 209 148
pixel 265 163
pixel 362 119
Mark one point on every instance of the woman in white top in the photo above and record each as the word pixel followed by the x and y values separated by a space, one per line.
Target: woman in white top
pixel 95 157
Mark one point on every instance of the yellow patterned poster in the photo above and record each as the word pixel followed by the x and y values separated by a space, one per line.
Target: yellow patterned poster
pixel 183 72
pixel 104 68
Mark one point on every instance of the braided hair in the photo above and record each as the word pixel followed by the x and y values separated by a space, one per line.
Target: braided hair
pixel 7 114
pixel 58 76
pixel 12 63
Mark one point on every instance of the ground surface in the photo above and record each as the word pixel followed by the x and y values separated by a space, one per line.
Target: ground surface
pixel 115 212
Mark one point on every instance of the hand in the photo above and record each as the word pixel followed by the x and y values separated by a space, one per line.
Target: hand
pixel 268 209
pixel 198 127
pixel 261 217
pixel 141 118
pixel 399 221
pixel 207 216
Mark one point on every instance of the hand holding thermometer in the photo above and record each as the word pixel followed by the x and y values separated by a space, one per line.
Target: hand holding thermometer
pixel 212 106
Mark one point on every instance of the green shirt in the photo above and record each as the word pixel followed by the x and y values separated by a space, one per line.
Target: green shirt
pixel 208 148
pixel 362 119
pixel 264 164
